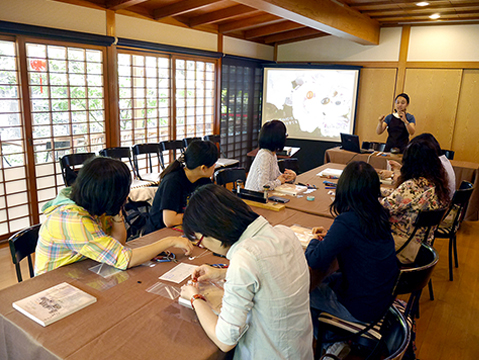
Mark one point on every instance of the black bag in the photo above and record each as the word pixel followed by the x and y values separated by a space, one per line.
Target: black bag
pixel 136 215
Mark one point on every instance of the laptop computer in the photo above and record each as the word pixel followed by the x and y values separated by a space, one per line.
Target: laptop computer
pixel 351 143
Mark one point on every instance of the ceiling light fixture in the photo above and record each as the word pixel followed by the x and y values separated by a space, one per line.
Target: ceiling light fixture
pixel 435 16
pixel 422 3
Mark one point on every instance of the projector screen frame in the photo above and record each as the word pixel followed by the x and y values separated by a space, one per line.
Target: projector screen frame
pixel 316 134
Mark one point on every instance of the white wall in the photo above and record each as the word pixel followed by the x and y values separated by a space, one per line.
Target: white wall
pixel 54 14
pixel 146 30
pixel 444 43
pixel 250 49
pixel 330 48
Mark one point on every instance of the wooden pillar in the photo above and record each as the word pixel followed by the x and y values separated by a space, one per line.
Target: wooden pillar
pixel 401 76
pixel 112 123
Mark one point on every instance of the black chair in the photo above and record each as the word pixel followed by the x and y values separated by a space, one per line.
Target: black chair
pixel 426 220
pixel 119 153
pixel 453 219
pixel 70 166
pixel 230 175
pixel 291 164
pixel 149 150
pixel 414 277
pixel 22 245
pixel 448 153
pixel 216 139
pixel 381 147
pixel 189 140
pixel 171 145
pixel 387 339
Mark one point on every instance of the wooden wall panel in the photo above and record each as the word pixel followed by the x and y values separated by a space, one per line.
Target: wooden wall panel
pixel 434 94
pixel 375 98
pixel 465 141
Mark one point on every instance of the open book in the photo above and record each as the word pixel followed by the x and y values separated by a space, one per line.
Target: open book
pixel 291 189
pixel 53 304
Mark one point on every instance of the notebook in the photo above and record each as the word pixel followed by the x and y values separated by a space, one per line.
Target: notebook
pixel 351 143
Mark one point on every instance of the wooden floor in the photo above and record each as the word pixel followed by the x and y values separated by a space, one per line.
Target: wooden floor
pixel 448 328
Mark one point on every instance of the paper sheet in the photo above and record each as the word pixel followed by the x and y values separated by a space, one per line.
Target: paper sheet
pixel 179 273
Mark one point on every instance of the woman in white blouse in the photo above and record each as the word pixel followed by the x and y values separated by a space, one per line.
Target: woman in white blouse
pixel 265 170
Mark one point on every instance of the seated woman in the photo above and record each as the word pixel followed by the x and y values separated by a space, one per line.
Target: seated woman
pixel 85 221
pixel 265 312
pixel 421 186
pixel 191 170
pixel 265 170
pixel 360 239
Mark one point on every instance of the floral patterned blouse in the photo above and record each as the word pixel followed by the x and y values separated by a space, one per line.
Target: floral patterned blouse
pixel 403 204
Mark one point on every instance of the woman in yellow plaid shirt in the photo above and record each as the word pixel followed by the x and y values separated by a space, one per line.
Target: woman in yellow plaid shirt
pixel 85 221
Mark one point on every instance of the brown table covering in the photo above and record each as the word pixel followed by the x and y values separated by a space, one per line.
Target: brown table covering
pixel 126 322
pixel 463 170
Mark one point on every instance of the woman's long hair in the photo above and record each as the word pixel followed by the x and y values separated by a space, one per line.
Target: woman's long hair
pixel 420 159
pixel 358 190
pixel 197 153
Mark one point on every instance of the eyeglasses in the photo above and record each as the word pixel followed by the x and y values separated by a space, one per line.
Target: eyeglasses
pixel 199 241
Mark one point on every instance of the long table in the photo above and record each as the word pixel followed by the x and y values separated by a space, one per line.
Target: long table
pixel 126 322
pixel 463 170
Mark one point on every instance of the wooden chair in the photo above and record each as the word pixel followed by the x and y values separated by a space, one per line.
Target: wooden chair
pixel 149 150
pixel 229 175
pixel 189 140
pixel 291 164
pixel 22 245
pixel 427 220
pixel 170 145
pixel 453 219
pixel 70 166
pixel 119 153
pixel 216 139
pixel 448 153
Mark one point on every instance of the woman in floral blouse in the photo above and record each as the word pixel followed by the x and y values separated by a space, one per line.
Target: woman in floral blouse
pixel 422 185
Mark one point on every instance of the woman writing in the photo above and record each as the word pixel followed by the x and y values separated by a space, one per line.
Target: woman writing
pixel 422 185
pixel 85 221
pixel 265 170
pixel 400 125
pixel 194 168
pixel 360 239
pixel 265 312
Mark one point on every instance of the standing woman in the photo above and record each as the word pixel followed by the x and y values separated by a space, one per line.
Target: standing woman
pixel 85 221
pixel 265 170
pixel 265 312
pixel 192 169
pixel 400 125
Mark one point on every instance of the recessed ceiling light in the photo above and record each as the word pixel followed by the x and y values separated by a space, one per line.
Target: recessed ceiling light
pixel 422 3
pixel 435 16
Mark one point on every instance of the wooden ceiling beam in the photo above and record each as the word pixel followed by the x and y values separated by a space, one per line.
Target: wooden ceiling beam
pixel 329 16
pixel 122 4
pixel 426 11
pixel 221 15
pixel 248 23
pixel 290 35
pixel 272 29
pixel 302 38
pixel 181 7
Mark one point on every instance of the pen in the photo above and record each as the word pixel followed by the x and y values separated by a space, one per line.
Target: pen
pixel 330 187
pixel 219 266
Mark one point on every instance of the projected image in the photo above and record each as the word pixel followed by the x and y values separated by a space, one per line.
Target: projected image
pixel 313 103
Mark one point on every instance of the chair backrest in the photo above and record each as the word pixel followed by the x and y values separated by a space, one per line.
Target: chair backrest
pixel 119 153
pixel 216 139
pixel 448 153
pixel 230 175
pixel 170 145
pixel 148 150
pixel 395 334
pixel 381 146
pixel 459 203
pixel 291 164
pixel 425 220
pixel 69 165
pixel 22 245
pixel 414 277
pixel 188 141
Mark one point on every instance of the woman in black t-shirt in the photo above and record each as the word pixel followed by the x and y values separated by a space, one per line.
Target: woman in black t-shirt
pixel 192 169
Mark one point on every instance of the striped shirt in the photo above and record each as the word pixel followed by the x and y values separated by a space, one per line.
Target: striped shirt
pixel 70 234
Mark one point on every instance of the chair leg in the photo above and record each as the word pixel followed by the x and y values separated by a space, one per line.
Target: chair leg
pixel 455 251
pixel 431 291
pixel 451 249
